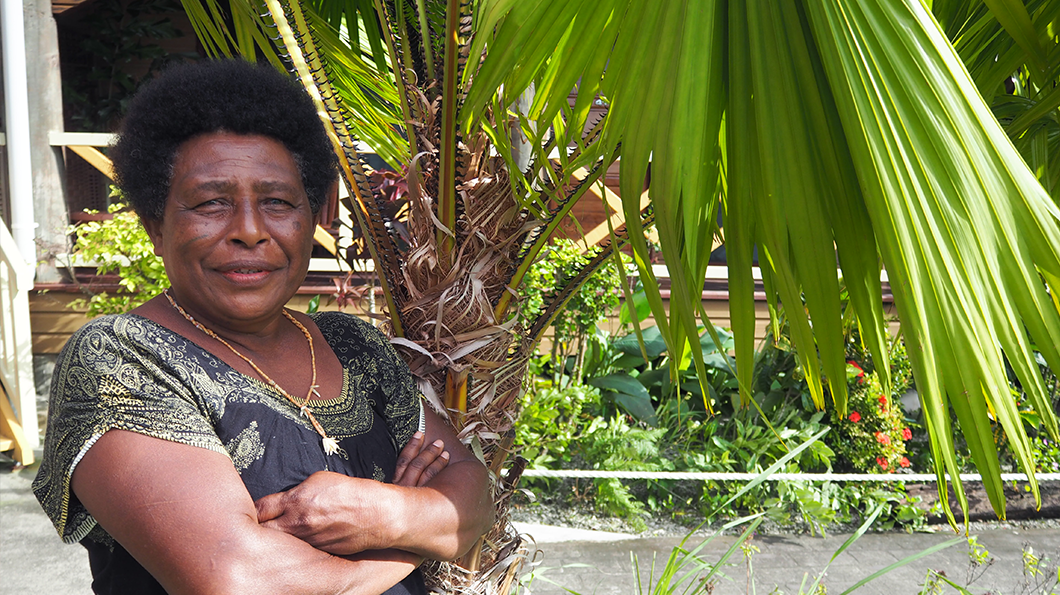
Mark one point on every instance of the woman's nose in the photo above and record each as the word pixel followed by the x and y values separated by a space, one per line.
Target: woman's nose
pixel 248 225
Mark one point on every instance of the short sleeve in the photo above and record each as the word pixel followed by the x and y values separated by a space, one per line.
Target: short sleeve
pixel 111 375
pixel 363 348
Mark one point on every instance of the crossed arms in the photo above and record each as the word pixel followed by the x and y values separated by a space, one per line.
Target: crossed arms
pixel 184 514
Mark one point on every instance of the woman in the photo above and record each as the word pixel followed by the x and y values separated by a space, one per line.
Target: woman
pixel 210 441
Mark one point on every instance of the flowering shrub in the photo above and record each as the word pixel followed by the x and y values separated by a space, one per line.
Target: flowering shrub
pixel 873 434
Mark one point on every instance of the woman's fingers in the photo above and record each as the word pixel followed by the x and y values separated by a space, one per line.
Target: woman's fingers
pixel 269 507
pixel 424 464
pixel 434 468
pixel 406 455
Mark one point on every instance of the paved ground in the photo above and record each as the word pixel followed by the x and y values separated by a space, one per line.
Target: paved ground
pixel 34 562
pixel 604 568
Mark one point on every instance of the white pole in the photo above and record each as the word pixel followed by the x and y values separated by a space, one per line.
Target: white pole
pixel 16 102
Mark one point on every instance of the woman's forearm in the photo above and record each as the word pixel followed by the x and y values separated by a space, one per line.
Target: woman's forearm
pixel 346 515
pixel 444 519
pixel 284 566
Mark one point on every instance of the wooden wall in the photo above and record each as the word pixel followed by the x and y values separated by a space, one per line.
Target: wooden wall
pixel 53 320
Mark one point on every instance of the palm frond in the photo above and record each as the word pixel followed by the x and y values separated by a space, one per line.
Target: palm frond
pixel 535 239
pixel 306 60
pixel 961 222
pixel 569 285
pixel 370 96
pixel 448 147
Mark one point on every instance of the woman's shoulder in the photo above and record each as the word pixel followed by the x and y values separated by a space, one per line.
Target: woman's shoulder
pixel 112 326
pixel 131 342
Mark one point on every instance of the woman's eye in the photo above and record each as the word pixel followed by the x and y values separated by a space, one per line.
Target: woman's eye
pixel 210 204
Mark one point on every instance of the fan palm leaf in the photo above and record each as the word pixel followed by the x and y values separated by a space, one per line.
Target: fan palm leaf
pixel 834 136
pixel 848 123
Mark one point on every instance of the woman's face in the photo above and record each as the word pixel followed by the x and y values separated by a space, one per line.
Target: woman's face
pixel 237 229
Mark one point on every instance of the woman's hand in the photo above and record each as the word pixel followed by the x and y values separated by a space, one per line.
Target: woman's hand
pixel 332 512
pixel 345 515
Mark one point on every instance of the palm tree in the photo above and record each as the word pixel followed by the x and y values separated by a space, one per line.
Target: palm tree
pixel 818 129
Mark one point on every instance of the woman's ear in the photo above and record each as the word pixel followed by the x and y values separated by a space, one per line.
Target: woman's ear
pixel 154 231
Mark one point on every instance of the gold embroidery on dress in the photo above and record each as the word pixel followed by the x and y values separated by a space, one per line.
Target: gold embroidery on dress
pixel 246 447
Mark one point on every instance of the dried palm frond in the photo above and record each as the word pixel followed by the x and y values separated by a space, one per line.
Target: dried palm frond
pixel 500 560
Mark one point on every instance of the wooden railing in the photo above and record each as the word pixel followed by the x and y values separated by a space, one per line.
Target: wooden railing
pixel 18 397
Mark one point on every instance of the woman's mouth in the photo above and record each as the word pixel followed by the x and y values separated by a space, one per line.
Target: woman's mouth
pixel 246 274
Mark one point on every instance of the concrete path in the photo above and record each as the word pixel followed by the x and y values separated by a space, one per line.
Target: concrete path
pixel 785 562
pixel 34 562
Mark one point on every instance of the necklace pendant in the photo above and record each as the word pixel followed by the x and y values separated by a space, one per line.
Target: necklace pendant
pixel 331 446
pixel 305 410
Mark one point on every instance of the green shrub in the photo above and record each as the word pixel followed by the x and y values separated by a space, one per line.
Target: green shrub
pixel 575 326
pixel 615 445
pixel 646 389
pixel 644 419
pixel 120 245
pixel 550 421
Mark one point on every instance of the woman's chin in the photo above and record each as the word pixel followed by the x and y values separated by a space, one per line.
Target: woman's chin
pixel 236 308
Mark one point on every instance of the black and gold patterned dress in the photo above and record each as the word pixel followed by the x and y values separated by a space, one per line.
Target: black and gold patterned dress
pixel 130 373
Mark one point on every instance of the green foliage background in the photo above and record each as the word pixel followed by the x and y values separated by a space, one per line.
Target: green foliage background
pixel 119 245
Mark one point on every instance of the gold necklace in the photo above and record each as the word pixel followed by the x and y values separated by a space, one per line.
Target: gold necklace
pixel 331 446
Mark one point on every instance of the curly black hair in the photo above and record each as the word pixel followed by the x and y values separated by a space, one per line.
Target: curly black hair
pixel 212 96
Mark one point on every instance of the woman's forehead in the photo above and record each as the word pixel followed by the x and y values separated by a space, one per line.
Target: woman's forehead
pixel 214 156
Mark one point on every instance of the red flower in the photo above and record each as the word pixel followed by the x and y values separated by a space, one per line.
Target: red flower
pixel 882 462
pixel 906 433
pixel 904 462
pixel 883 438
pixel 855 417
pixel 883 402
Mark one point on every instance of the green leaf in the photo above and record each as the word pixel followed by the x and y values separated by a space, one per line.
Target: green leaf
pixel 654 343
pixel 641 308
pixel 630 395
pixel 707 344
pixel 1013 16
